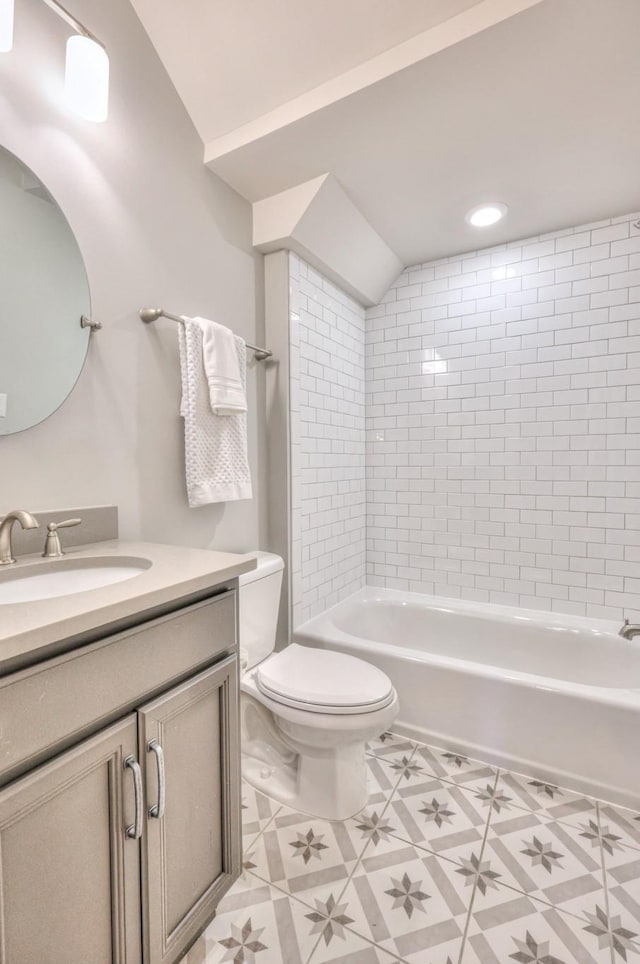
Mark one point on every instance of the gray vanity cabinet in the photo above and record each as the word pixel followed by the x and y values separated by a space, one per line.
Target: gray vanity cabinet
pixel 69 877
pixel 117 849
pixel 190 846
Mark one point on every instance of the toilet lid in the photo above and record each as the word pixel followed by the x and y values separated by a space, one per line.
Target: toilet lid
pixel 322 681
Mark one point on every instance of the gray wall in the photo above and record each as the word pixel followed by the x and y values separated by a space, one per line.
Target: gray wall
pixel 155 226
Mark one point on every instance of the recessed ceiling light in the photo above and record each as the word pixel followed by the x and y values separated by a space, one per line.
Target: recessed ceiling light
pixel 485 215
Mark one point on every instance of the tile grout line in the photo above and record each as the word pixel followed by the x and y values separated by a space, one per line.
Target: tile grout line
pixel 270 883
pixel 475 883
pixel 385 762
pixel 516 773
pixel 289 896
pixel 246 845
pixel 364 850
pixel 605 881
pixel 382 813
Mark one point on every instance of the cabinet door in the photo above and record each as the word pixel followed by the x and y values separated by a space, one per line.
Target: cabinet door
pixel 191 846
pixel 69 875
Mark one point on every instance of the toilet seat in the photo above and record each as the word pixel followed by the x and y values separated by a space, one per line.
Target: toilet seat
pixel 323 681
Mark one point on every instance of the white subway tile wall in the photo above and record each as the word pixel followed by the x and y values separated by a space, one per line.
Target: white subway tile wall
pixel 503 425
pixel 328 486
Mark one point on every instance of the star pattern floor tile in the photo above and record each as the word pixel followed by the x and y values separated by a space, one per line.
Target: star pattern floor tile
pixel 517 929
pixel 624 823
pixel 257 812
pixel 452 861
pixel 388 744
pixel 545 798
pixel 409 902
pixel 454 767
pixel 253 924
pixel 622 873
pixel 545 859
pixel 307 857
pixel 438 816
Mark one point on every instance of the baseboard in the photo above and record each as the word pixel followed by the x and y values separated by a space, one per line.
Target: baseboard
pixel 565 779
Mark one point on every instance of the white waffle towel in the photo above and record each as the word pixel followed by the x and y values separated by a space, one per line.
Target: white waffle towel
pixel 220 354
pixel 216 463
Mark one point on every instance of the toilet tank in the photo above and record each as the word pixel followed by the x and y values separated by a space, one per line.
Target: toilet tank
pixel 259 600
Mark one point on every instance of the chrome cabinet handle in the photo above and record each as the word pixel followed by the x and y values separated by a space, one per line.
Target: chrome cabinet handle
pixel 134 832
pixel 157 810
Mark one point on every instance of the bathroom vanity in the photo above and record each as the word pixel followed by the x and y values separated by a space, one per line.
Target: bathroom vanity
pixel 119 759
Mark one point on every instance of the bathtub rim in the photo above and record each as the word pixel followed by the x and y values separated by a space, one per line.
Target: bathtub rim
pixel 481 610
pixel 322 629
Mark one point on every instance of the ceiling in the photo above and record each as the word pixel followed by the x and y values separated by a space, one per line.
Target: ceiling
pixel 539 111
pixel 234 60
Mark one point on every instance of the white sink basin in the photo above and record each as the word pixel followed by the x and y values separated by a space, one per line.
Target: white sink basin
pixel 64 577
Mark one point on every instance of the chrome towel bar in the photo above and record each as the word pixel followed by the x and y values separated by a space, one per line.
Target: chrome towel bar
pixel 152 314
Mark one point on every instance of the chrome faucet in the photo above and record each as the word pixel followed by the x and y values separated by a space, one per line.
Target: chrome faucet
pixel 629 630
pixel 26 520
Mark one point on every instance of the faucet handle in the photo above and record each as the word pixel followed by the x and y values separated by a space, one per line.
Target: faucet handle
pixel 52 526
pixel 52 547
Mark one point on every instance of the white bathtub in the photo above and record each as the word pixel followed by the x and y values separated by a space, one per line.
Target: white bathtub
pixel 554 696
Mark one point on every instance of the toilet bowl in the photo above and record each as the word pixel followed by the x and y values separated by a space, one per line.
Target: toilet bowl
pixel 306 714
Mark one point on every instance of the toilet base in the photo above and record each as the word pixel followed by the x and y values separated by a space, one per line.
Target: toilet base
pixel 331 784
pixel 315 763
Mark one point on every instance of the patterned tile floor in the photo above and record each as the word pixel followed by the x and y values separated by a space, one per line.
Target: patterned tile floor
pixel 451 862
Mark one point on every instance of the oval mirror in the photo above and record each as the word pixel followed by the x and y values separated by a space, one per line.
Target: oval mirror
pixel 43 294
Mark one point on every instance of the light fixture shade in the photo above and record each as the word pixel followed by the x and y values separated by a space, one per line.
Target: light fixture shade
pixel 6 26
pixel 87 78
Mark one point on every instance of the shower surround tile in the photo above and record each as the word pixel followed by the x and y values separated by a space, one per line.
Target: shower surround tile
pixel 450 862
pixel 328 485
pixel 502 425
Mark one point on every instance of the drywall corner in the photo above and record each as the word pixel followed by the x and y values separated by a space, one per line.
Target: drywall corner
pixel 320 222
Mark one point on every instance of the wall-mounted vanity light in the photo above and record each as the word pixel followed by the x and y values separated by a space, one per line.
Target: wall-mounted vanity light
pixel 87 63
pixel 87 78
pixel 6 26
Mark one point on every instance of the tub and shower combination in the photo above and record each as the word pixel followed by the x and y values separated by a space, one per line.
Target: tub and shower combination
pixel 557 697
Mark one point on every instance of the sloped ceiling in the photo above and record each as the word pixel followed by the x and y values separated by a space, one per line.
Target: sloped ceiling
pixel 235 60
pixel 536 109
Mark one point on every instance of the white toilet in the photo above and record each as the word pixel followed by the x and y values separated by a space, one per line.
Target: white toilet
pixel 306 713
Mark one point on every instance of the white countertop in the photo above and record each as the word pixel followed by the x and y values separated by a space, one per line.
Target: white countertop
pixel 175 572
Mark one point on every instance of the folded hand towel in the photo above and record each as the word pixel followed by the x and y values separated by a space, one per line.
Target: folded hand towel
pixel 216 463
pixel 226 391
